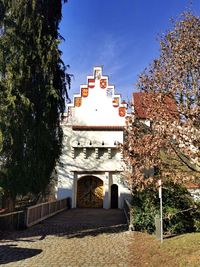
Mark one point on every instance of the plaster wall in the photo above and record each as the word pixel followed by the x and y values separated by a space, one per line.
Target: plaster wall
pixel 93 152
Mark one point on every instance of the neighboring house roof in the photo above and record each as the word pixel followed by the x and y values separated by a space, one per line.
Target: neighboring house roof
pixel 141 101
pixel 192 186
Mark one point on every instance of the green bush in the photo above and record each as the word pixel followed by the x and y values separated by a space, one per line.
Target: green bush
pixel 179 210
pixel 196 216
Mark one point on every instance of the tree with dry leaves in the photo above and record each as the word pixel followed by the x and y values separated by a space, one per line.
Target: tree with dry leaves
pixel 170 89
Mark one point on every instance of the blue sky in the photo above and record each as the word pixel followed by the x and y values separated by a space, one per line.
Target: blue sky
pixel 121 36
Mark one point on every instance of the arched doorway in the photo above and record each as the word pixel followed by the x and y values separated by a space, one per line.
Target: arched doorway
pixel 90 192
pixel 114 196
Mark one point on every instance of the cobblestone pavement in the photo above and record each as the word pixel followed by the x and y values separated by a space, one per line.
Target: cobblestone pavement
pixel 78 237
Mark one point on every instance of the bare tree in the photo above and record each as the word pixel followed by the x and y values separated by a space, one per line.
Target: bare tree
pixel 170 101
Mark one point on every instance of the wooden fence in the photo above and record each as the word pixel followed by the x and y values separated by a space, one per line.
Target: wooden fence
pixel 42 211
pixel 12 221
pixel 129 214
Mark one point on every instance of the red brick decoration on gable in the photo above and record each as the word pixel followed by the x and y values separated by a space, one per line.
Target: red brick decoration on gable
pixel 77 101
pixel 122 111
pixel 115 102
pixel 84 92
pixel 103 83
pixel 97 74
pixel 124 103
pixel 91 83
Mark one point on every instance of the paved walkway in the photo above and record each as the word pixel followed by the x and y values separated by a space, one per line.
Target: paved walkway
pixel 78 237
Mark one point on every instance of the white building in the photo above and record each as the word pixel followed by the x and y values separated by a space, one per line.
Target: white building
pixel 90 168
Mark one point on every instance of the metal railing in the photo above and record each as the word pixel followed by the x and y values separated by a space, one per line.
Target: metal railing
pixel 128 214
pixel 42 211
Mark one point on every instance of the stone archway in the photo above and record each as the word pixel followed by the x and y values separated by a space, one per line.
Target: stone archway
pixel 90 192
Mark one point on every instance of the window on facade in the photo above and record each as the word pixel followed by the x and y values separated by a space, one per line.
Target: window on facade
pixel 103 152
pixel 77 152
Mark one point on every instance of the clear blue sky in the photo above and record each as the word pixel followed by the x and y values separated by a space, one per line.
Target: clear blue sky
pixel 121 36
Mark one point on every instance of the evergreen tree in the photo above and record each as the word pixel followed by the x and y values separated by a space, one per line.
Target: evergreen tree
pixel 33 82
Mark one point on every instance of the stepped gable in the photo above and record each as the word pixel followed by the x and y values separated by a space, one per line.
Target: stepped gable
pixel 97 98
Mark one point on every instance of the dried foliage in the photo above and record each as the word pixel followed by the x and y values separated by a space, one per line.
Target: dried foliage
pixel 171 100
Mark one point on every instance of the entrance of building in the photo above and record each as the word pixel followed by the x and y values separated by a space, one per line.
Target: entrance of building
pixel 90 192
pixel 114 196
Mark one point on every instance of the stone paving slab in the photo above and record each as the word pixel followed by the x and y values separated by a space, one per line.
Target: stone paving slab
pixel 78 237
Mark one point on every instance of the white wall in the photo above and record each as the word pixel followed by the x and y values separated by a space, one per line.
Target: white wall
pixel 79 157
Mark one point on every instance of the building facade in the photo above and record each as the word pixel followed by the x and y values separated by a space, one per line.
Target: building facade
pixel 90 170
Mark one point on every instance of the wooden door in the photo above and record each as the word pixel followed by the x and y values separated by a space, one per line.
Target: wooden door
pixel 90 192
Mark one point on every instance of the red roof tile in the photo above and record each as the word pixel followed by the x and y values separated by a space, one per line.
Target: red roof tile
pixel 141 101
pixel 192 186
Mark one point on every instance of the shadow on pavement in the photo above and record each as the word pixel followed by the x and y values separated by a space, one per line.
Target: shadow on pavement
pixel 98 230
pixel 75 223
pixel 11 253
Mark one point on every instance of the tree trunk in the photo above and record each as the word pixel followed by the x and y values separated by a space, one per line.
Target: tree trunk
pixel 8 203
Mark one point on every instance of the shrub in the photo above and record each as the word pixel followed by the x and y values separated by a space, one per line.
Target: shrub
pixel 179 210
